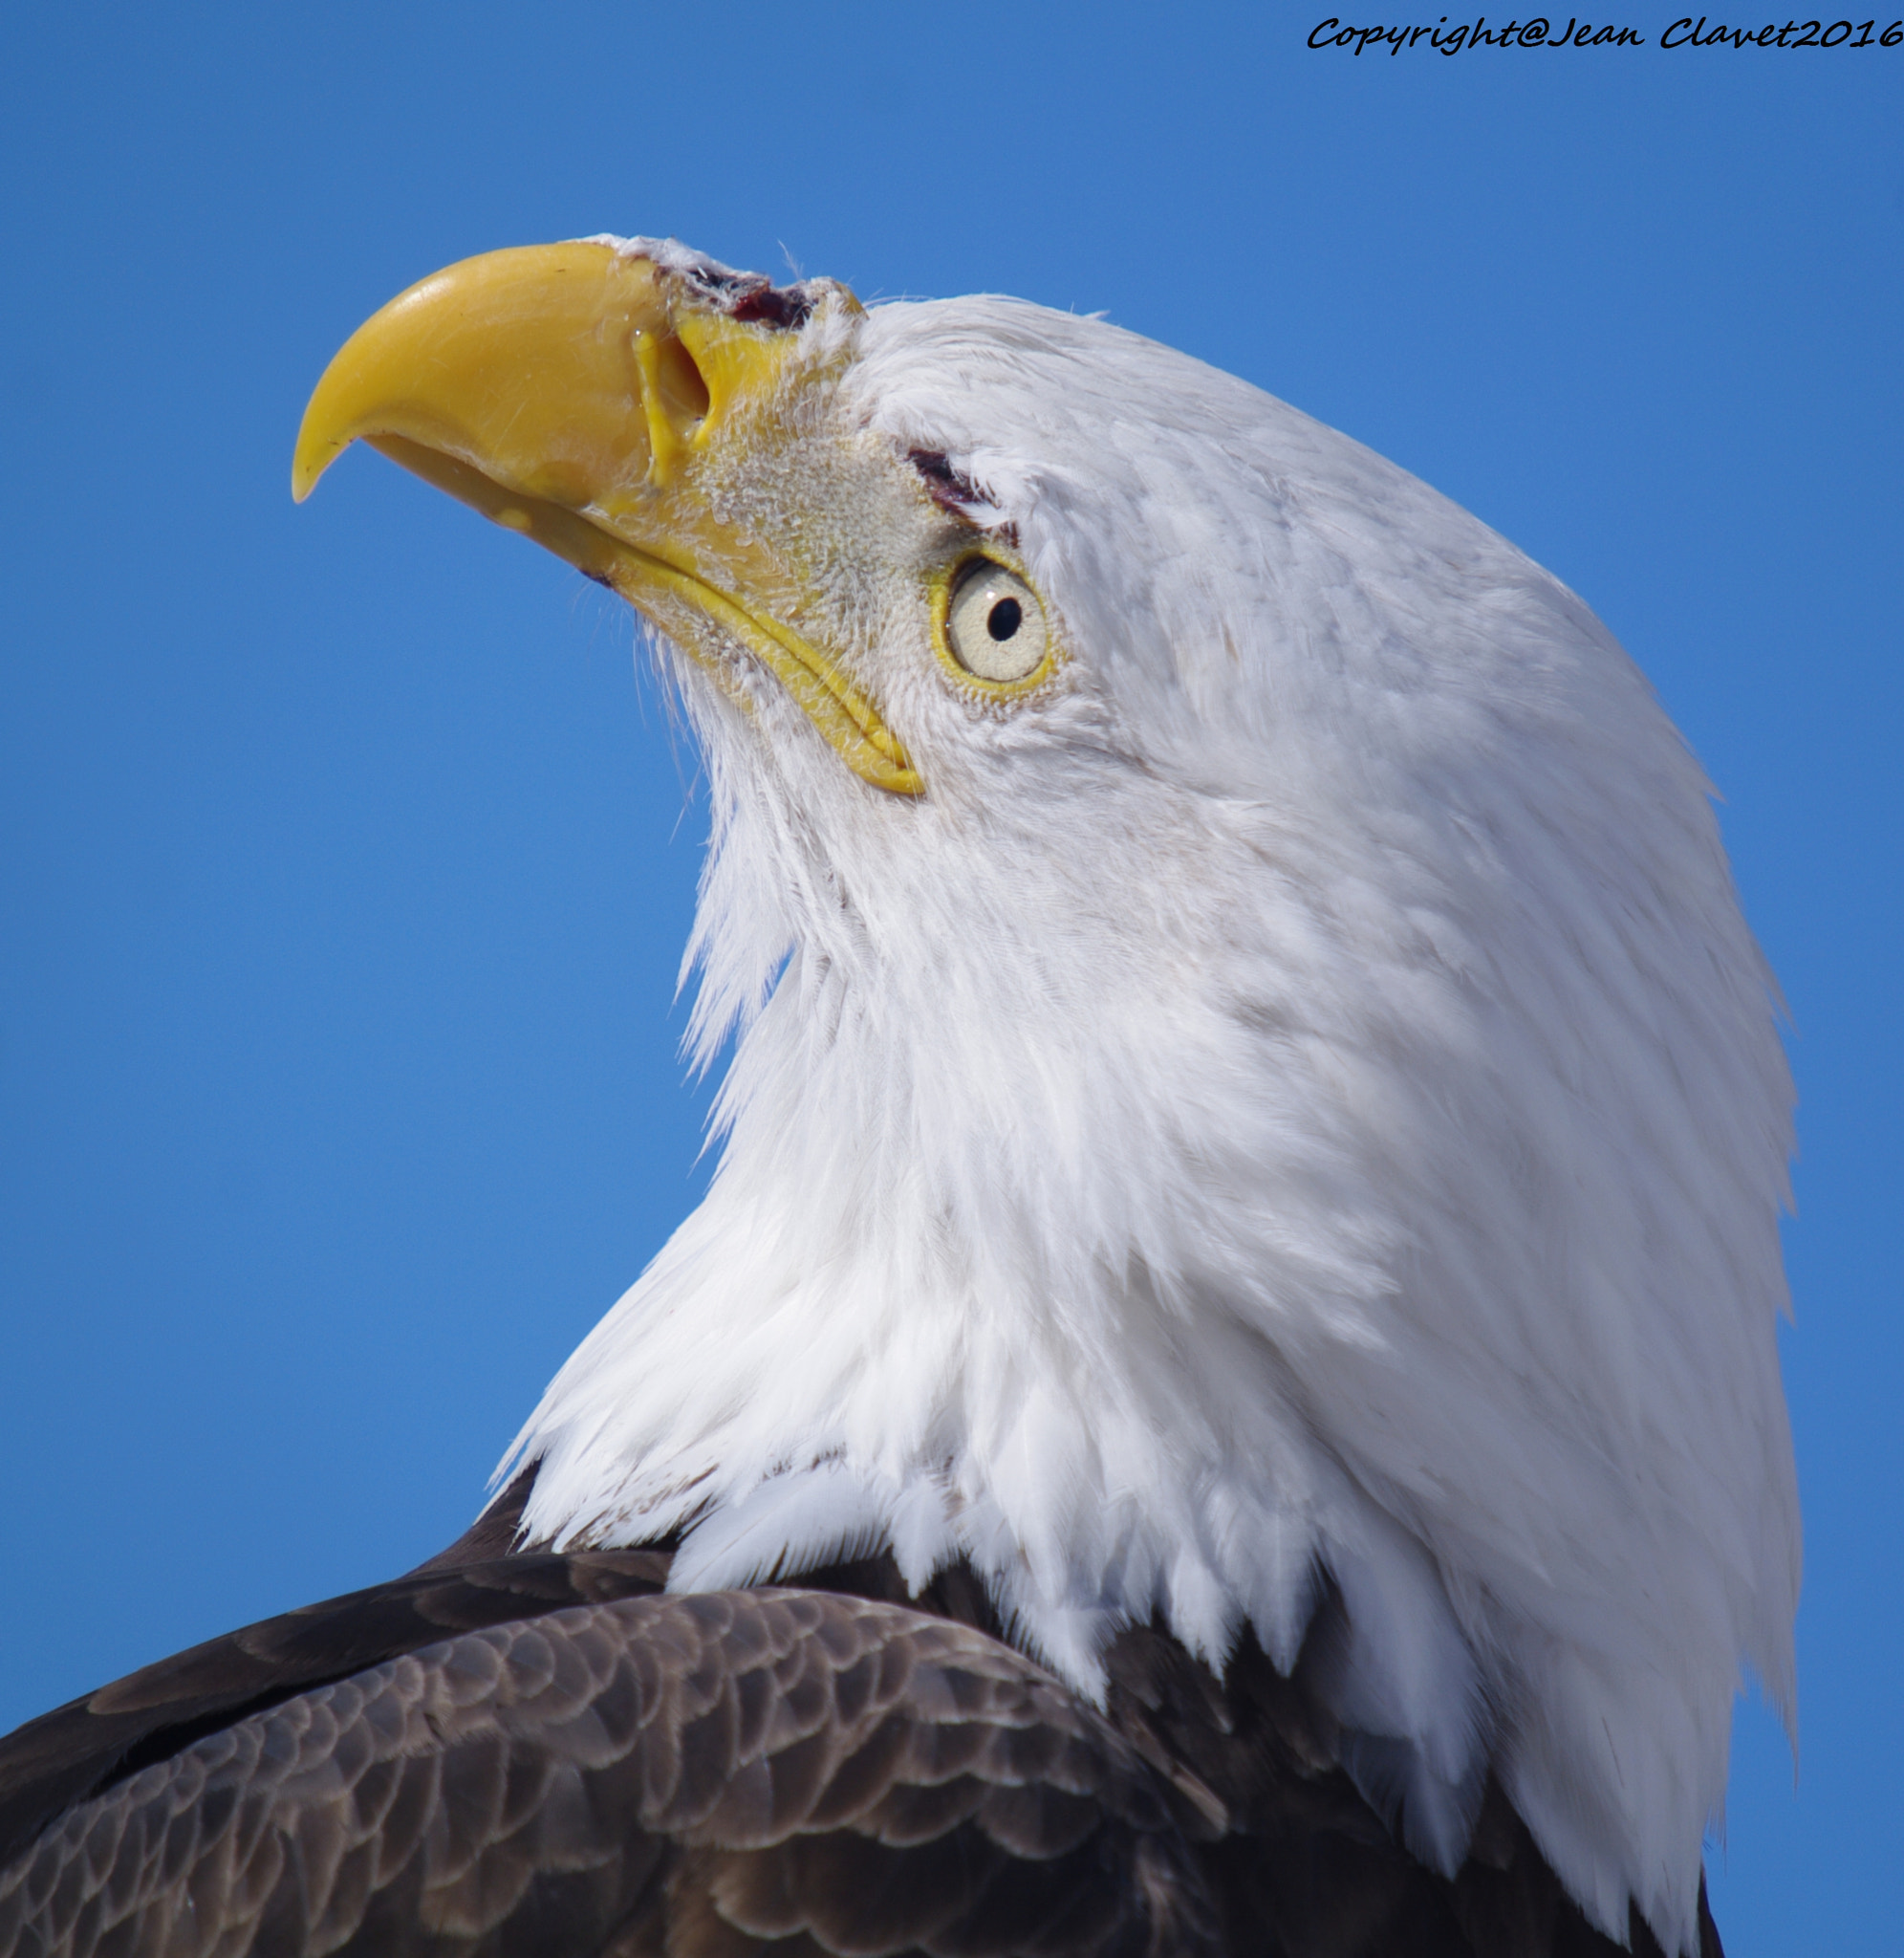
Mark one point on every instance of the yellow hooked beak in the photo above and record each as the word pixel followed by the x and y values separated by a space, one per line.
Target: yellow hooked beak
pixel 595 402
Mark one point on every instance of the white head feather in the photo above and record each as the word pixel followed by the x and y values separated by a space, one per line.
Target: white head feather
pixel 1298 1098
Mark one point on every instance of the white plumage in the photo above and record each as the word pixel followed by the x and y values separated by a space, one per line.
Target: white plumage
pixel 1296 1096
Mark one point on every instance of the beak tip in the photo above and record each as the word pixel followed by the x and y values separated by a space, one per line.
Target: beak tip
pixel 310 462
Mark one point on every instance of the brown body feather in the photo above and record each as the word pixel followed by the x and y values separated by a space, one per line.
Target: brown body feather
pixel 543 1754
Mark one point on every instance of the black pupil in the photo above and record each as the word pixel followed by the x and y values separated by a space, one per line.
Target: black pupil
pixel 1005 618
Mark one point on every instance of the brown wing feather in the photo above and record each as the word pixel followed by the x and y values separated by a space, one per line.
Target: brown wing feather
pixel 82 1748
pixel 1297 1861
pixel 953 1829
pixel 679 1776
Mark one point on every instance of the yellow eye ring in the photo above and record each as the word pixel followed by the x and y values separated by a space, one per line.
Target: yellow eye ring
pixel 991 630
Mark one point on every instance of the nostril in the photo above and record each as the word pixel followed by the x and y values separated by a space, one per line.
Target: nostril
pixel 674 395
pixel 681 385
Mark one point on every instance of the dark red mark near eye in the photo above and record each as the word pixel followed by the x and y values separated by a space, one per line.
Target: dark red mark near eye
pixel 945 484
pixel 778 306
pixel 751 295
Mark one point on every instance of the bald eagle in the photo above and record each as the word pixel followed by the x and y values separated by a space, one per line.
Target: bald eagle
pixel 1222 1398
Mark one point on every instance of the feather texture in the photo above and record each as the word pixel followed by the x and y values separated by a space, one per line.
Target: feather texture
pixel 541 1753
pixel 689 1776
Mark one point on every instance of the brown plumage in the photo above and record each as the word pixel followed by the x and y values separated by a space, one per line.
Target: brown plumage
pixel 547 1754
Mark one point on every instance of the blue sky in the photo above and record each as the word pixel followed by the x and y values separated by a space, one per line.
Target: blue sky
pixel 345 859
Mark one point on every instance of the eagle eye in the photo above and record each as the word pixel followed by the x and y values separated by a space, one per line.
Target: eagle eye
pixel 994 624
